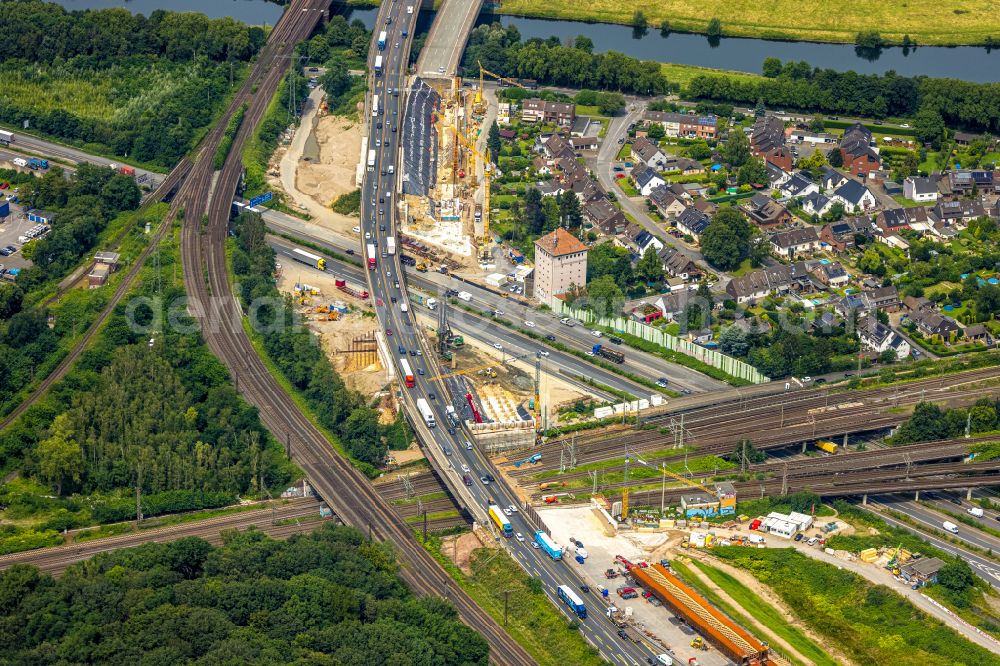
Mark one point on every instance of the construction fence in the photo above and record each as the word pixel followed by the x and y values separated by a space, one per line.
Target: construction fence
pixel 658 336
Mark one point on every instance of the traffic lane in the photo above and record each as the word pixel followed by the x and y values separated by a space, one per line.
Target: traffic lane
pixel 47 148
pixel 985 569
pixel 965 532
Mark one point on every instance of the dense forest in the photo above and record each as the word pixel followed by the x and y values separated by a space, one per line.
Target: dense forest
pixel 297 353
pixel 123 82
pixel 81 206
pixel 796 85
pixel 547 61
pixel 328 598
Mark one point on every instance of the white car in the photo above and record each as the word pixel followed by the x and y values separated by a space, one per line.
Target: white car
pixel 590 352
pixel 378 143
pixel 542 352
pixel 513 509
pixel 498 313
pixel 806 380
pixel 468 445
pixel 529 324
pixel 596 334
pixel 506 512
pixel 368 235
pixel 465 468
pixel 356 230
pixel 497 345
pixel 519 537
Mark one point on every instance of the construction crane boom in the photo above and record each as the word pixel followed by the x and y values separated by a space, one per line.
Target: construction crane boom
pixel 485 72
pixel 487 174
pixel 689 482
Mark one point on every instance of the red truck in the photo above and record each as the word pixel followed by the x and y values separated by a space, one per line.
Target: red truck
pixel 357 293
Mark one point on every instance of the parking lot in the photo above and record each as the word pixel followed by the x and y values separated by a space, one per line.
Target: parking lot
pixel 11 227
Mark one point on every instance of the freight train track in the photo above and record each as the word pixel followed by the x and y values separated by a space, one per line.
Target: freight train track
pixel 347 491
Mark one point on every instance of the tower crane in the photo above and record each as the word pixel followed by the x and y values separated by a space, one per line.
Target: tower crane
pixel 488 172
pixel 483 72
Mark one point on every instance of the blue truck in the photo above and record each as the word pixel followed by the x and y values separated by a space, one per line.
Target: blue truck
pixel 38 164
pixel 546 543
pixel 381 40
pixel 610 354
pixel 570 598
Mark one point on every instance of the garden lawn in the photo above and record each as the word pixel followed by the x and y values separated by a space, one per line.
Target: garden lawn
pixel 927 21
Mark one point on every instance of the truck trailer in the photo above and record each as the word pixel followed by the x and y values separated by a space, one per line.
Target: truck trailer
pixel 610 354
pixel 425 411
pixel 6 138
pixel 378 67
pixel 390 245
pixel 500 520
pixel 406 372
pixel 570 598
pixel 551 548
pixel 308 259
pixel 371 256
pixel 371 159
pixel 382 36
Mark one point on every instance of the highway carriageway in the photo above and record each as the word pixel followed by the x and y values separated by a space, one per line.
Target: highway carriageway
pixel 775 422
pixel 824 465
pixel 570 368
pixel 639 363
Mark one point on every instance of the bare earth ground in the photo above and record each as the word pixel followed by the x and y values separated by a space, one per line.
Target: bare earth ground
pixel 459 549
pixel 337 335
pixel 339 145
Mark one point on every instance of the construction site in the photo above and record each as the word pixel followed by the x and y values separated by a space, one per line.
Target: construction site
pixel 447 202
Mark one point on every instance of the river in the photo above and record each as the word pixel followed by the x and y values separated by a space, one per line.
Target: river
pixel 747 55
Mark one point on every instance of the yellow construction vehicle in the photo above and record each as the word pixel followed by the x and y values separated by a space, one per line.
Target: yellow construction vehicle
pixel 699 643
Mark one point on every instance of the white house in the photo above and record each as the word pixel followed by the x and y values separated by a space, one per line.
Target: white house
pixel 878 337
pixel 798 186
pixel 646 180
pixel 855 197
pixel 920 189
pixel 816 204
pixel 795 242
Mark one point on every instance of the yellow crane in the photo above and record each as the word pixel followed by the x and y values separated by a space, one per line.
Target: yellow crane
pixel 487 174
pixel 483 72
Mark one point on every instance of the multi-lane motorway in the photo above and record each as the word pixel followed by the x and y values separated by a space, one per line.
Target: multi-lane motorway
pixel 387 285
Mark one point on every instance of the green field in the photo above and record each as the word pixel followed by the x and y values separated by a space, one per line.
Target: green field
pixel 958 22
pixel 682 74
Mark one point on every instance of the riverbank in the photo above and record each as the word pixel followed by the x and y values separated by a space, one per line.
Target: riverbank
pixel 963 22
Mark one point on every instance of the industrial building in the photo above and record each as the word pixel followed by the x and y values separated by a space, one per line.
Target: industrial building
pixel 786 525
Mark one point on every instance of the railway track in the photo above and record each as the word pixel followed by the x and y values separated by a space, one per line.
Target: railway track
pixel 346 490
pixel 56 559
pixel 717 429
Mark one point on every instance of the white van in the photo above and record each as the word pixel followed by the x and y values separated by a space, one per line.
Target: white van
pixel 403 307
pixel 664 659
pixel 976 511
pixel 950 527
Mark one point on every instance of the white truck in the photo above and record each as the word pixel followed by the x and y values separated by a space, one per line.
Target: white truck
pixel 431 303
pixel 425 411
pixel 6 138
pixel 390 244
pixel 371 159
pixel 976 511
pixel 950 527
pixel 465 296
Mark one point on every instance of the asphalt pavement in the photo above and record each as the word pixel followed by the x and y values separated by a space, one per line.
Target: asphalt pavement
pixel 49 149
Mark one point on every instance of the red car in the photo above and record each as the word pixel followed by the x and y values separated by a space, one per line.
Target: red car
pixel 4 186
pixel 388 331
pixel 378 302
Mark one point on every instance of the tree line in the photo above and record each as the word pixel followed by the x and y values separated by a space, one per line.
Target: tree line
pixel 930 422
pixel 797 85
pixel 301 359
pixel 548 61
pixel 329 597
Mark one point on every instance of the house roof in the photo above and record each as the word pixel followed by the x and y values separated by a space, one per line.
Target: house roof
pixel 817 200
pixel 643 174
pixel 796 184
pixel 922 186
pixel 693 219
pixel 560 243
pixel 852 191
pixel 794 237
pixel 926 567
pixel 645 149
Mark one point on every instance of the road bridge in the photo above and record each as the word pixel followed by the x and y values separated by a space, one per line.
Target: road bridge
pixel 446 41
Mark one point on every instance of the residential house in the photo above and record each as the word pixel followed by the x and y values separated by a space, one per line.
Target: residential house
pixel 798 135
pixel 776 176
pixel 685 165
pixel 692 222
pixel 780 156
pixel 842 235
pixel 768 134
pixel 580 126
pixel 645 240
pixel 668 204
pixel 603 214
pixel 797 186
pixel 915 304
pixel 648 153
pixel 882 298
pixel 830 178
pixel 795 242
pixel 508 135
pixel 958 213
pixel 706 206
pixel 556 147
pixel 860 158
pixel 855 197
pixel 960 182
pixel 765 211
pixel 755 285
pixel 503 113
pixel 921 190
pixel 684 125
pixel 831 275
pixel 816 204
pixel 879 338
pixel 977 333
pixel 892 220
pixel 678 264
pixel 932 323
pixel 553 113
pixel 646 179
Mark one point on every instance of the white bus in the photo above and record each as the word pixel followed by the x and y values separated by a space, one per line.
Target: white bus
pixel 374 106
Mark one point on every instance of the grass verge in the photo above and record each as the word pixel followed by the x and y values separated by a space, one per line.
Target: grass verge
pixel 532 620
